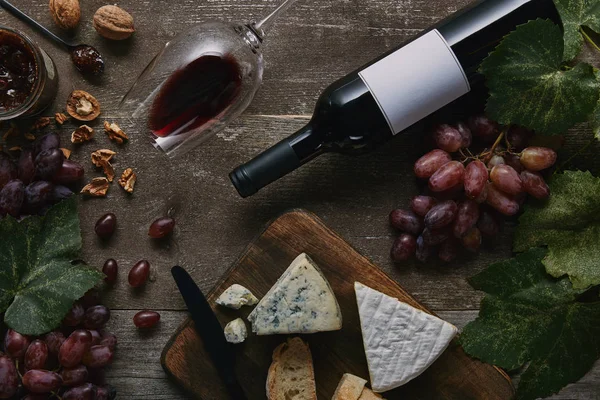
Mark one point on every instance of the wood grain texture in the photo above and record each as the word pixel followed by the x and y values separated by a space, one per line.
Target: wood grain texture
pixel 314 43
pixel 453 376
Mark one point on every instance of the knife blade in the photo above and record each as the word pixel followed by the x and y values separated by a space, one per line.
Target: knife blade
pixel 209 329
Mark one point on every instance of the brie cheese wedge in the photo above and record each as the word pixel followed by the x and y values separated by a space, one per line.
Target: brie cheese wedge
pixel 236 296
pixel 235 331
pixel 301 301
pixel 400 341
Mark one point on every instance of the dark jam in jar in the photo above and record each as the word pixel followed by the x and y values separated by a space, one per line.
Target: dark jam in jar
pixel 18 71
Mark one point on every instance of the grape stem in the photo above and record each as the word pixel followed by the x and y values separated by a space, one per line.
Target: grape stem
pixel 588 38
pixel 498 140
pixel 17 366
pixel 56 395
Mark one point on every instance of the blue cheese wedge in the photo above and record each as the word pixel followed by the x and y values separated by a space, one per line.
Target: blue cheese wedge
pixel 236 296
pixel 235 331
pixel 400 341
pixel 301 301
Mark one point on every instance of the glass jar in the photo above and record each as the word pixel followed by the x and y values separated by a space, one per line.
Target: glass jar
pixel 28 77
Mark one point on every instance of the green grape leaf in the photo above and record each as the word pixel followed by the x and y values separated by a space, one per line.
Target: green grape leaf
pixel 569 224
pixel 529 86
pixel 575 14
pixel 530 317
pixel 38 282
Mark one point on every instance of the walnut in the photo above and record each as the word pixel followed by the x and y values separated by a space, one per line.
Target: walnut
pixel 101 158
pixel 82 134
pixel 66 152
pixel 96 188
pixel 127 180
pixel 29 136
pixel 113 23
pixel 83 106
pixel 60 118
pixel 66 13
pixel 115 133
pixel 41 123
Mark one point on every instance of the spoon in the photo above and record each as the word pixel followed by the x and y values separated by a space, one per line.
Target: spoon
pixel 86 58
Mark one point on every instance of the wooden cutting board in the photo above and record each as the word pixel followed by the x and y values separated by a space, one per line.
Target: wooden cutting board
pixel 453 376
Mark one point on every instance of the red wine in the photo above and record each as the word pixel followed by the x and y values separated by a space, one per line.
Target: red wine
pixel 195 94
pixel 433 77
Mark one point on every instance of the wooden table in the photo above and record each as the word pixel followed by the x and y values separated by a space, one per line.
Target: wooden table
pixel 316 42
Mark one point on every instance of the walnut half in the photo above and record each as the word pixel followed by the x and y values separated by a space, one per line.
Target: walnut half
pixel 82 134
pixel 96 188
pixel 128 180
pixel 83 106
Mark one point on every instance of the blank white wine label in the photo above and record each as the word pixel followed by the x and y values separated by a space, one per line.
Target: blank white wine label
pixel 416 80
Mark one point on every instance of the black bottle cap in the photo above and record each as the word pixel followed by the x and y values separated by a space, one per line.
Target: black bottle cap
pixel 242 182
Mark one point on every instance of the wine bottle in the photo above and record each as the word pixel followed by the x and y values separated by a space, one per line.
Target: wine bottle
pixel 433 74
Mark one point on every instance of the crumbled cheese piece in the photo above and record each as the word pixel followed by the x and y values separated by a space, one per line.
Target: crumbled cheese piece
pixel 236 296
pixel 235 331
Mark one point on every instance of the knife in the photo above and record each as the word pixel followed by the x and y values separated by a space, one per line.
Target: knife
pixel 209 329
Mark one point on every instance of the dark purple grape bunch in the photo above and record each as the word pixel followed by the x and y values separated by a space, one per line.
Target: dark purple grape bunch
pixel 469 190
pixel 39 178
pixel 66 362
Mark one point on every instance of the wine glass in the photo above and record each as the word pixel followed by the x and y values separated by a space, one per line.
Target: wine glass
pixel 199 82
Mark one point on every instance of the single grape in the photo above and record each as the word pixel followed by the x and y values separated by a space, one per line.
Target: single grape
pixel 98 356
pixel 9 378
pixel 61 193
pixel 538 158
pixel 74 376
pixel 406 221
pixel 75 315
pixel 37 195
pixel 514 161
pixel 41 381
pixel 106 225
pixel 465 134
pixel 26 167
pixel 48 163
pixel 472 240
pixel 423 251
pixel 109 339
pixel 488 224
pixel 483 128
pixel 535 185
pixel 111 270
pixel 74 347
pixel 501 201
pixel 96 336
pixel 49 141
pixel 421 205
pixel 431 162
pixel 54 340
pixel 466 218
pixel 448 176
pixel 403 248
pixel 518 137
pixel 475 179
pixel 138 275
pixel 435 237
pixel 447 138
pixel 96 317
pixel 69 172
pixel 161 228
pixel 15 344
pixel 495 160
pixel 12 196
pixel 441 215
pixel 8 170
pixel 36 355
pixel 449 250
pixel 146 319
pixel 87 391
pixel 506 179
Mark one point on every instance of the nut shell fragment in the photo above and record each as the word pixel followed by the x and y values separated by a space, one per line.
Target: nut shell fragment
pixel 113 22
pixel 82 134
pixel 101 155
pixel 66 13
pixel 96 188
pixel 83 106
pixel 128 179
pixel 115 132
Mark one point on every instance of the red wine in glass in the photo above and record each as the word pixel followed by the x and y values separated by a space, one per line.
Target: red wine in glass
pixel 195 95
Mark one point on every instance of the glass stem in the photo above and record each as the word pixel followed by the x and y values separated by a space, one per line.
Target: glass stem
pixel 265 24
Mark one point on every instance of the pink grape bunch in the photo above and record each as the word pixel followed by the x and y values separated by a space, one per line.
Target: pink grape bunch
pixel 64 364
pixel 468 194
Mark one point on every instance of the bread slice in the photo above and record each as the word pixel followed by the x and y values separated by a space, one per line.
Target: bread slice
pixel 349 388
pixel 291 375
pixel 368 394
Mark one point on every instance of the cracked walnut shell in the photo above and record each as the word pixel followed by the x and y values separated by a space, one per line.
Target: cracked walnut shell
pixel 82 134
pixel 83 106
pixel 96 188
pixel 115 132
pixel 66 13
pixel 128 180
pixel 113 23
